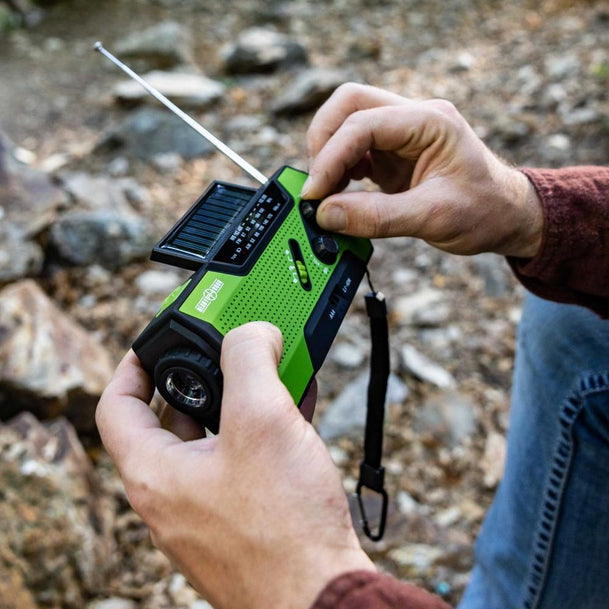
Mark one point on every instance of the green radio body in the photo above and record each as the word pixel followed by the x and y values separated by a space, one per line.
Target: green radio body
pixel 256 255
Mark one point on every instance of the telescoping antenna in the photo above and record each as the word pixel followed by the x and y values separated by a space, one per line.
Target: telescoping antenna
pixel 210 137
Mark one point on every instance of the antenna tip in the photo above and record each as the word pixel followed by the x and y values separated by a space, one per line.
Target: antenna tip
pixel 98 46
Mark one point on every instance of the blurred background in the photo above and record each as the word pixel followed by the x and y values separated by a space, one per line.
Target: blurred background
pixel 93 172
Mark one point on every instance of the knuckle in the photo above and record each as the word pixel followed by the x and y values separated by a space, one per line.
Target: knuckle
pixel 348 91
pixel 445 107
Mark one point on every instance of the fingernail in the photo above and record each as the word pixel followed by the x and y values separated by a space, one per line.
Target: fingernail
pixel 305 187
pixel 332 218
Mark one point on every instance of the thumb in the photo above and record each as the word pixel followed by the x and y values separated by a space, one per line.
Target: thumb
pixel 253 395
pixel 376 214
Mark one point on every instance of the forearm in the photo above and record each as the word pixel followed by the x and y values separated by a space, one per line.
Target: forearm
pixel 572 264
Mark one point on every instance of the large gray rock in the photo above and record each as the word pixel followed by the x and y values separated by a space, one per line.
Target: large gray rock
pixel 262 50
pixel 49 365
pixel 56 545
pixel 150 132
pixel 103 237
pixel 29 202
pixel 164 45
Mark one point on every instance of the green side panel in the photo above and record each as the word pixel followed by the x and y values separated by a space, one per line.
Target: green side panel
pixel 272 290
pixel 292 180
pixel 172 297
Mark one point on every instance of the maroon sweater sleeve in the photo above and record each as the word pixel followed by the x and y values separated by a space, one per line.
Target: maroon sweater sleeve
pixel 370 590
pixel 572 265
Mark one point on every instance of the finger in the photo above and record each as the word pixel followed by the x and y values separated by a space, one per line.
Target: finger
pixel 180 424
pixel 123 417
pixel 253 395
pixel 425 211
pixel 346 100
pixel 307 408
pixel 408 130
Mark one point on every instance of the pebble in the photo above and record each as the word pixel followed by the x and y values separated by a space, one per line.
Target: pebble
pixel 184 89
pixel 424 369
pixel 114 602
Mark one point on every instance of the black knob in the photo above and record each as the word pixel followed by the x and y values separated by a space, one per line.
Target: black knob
pixel 325 248
pixel 308 208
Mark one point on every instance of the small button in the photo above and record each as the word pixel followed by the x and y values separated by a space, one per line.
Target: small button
pixel 325 248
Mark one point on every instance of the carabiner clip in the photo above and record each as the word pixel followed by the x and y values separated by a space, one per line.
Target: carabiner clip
pixel 372 478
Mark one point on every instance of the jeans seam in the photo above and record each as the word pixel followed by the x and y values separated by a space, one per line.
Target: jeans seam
pixel 557 479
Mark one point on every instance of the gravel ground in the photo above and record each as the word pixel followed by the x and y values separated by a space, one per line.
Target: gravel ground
pixel 531 77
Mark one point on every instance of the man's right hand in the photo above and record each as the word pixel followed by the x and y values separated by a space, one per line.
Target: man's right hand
pixel 440 182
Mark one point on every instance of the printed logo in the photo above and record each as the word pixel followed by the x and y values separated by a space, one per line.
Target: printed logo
pixel 209 295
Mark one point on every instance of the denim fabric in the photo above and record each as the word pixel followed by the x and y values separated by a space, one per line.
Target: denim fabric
pixel 545 541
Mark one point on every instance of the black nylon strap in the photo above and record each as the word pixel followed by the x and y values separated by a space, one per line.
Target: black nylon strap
pixel 372 474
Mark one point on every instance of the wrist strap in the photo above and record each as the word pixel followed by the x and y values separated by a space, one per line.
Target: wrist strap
pixel 372 474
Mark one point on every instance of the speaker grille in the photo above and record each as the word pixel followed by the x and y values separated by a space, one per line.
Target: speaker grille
pixel 271 295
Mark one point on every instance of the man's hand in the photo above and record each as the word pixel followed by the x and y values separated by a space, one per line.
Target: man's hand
pixel 439 181
pixel 255 517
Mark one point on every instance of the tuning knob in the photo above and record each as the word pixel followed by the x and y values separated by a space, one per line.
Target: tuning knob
pixel 325 248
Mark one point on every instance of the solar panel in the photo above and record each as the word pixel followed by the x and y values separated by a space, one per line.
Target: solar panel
pixel 188 243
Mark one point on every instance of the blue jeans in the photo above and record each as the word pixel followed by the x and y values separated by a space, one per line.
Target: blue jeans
pixel 545 541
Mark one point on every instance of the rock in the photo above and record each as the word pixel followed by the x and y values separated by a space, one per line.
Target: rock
pixel 113 603
pixel 563 66
pixel 100 192
pixel 426 370
pixel 347 355
pixel 310 89
pixel 155 283
pixel 29 201
pixel 103 237
pixel 149 132
pixel 55 541
pixel 19 256
pixel 493 461
pixel 262 50
pixel 164 45
pixel 406 308
pixel 494 272
pixel 346 415
pixel 28 197
pixel 418 558
pixel 48 364
pixel 447 417
pixel 185 89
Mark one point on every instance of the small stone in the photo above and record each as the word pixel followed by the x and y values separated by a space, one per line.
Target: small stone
pixel 164 45
pixel 426 370
pixel 310 89
pixel 407 307
pixel 155 283
pixel 262 50
pixel 417 557
pixel 448 418
pixel 185 89
pixel 493 461
pixel 113 603
pixel 347 355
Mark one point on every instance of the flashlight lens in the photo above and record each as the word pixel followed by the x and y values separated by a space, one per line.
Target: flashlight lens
pixel 186 388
